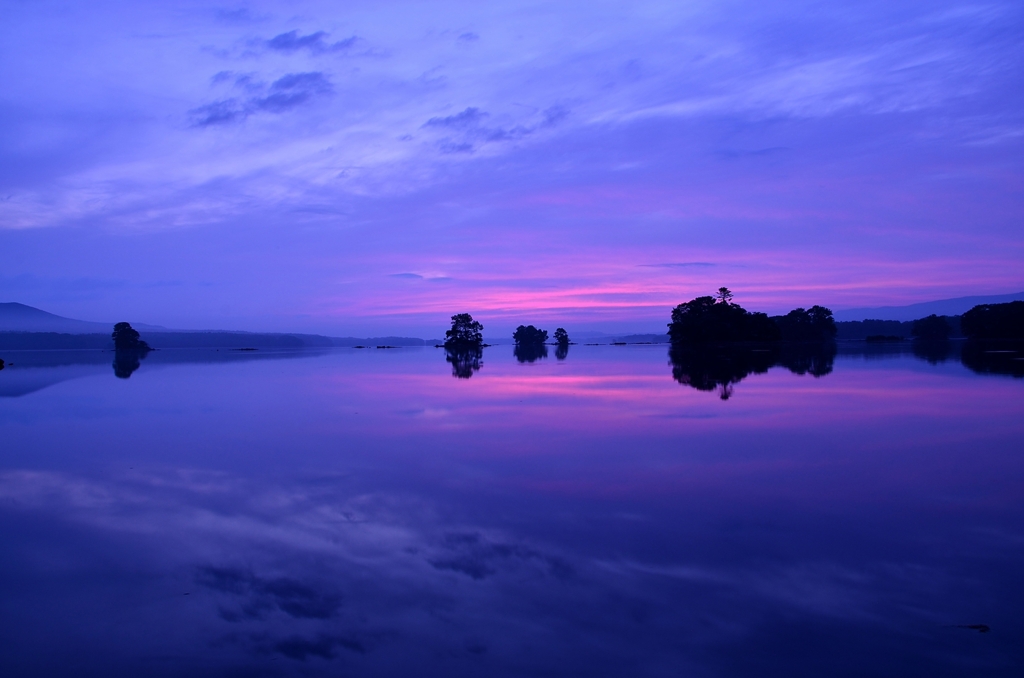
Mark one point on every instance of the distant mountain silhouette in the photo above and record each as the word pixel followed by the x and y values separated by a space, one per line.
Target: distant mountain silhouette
pixel 956 306
pixel 27 327
pixel 15 317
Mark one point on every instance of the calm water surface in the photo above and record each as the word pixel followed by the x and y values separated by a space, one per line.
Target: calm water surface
pixel 364 513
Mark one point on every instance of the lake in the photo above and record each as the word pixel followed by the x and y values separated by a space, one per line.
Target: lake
pixel 616 513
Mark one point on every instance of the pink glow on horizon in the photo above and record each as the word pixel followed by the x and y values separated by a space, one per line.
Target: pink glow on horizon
pixel 605 286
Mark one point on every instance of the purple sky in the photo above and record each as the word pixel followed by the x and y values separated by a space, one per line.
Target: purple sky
pixel 373 167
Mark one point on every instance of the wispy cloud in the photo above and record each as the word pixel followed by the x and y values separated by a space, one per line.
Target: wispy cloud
pixel 466 130
pixel 284 94
pixel 316 43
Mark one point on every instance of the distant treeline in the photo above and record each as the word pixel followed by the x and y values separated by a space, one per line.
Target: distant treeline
pixel 983 322
pixel 852 330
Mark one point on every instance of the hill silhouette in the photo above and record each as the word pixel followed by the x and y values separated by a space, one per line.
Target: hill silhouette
pixel 15 317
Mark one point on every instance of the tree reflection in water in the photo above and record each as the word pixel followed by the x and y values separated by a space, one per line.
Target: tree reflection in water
pixel 528 353
pixel 126 361
pixel 989 357
pixel 465 360
pixel 721 366
pixel 934 351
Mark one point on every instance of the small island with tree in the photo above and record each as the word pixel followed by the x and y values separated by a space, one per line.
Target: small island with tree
pixel 715 343
pixel 129 350
pixel 717 320
pixel 463 345
pixel 530 343
pixel 561 343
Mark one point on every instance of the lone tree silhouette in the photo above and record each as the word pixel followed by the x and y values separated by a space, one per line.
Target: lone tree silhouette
pixel 530 343
pixel 724 296
pixel 129 350
pixel 126 338
pixel 562 339
pixel 465 332
pixel 463 345
pixel 528 335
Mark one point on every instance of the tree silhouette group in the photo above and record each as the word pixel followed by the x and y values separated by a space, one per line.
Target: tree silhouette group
pixel 716 343
pixel 464 344
pixel 717 320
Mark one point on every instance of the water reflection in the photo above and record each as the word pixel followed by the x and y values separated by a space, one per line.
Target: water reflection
pixel 1005 358
pixel 720 367
pixel 464 359
pixel 127 360
pixel 562 351
pixel 934 351
pixel 357 513
pixel 31 371
pixel 529 353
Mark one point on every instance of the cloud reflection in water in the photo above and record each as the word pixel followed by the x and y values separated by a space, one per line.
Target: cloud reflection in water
pixel 369 514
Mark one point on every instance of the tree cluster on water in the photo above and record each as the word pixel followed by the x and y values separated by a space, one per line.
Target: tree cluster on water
pixel 715 342
pixel 717 320
pixel 464 344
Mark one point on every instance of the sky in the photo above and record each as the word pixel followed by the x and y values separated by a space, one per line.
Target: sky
pixel 371 168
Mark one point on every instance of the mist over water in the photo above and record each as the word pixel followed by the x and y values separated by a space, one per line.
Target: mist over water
pixel 606 513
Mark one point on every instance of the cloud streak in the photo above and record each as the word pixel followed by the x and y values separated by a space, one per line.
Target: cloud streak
pixel 315 43
pixel 288 92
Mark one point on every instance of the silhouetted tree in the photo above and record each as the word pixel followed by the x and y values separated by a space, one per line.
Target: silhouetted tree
pixel 465 332
pixel 127 339
pixel 813 324
pixel 724 296
pixel 561 337
pixel 703 321
pixel 530 343
pixel 994 321
pixel 529 335
pixel 465 360
pixel 129 350
pixel 932 328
